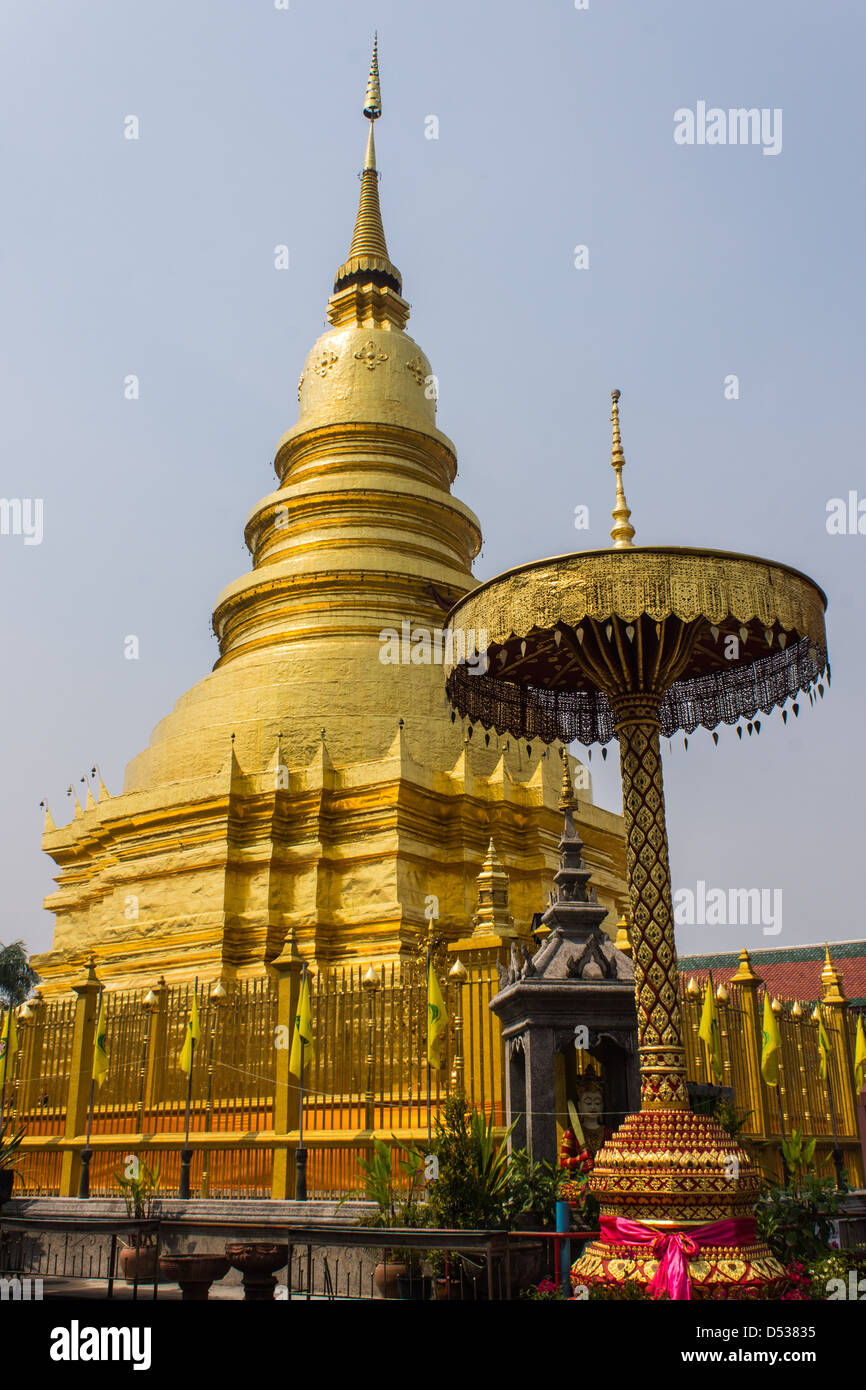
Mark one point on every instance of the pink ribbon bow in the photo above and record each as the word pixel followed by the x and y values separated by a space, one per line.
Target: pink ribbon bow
pixel 674 1249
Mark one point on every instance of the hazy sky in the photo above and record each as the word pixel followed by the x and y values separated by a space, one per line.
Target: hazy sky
pixel 555 130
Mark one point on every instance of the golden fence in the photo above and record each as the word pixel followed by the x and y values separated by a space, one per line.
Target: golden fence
pixel 802 1095
pixel 368 1077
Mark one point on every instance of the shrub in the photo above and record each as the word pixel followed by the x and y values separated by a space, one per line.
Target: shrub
pixel 797 1223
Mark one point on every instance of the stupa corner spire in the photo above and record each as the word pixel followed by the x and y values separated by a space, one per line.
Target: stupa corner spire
pixel 622 533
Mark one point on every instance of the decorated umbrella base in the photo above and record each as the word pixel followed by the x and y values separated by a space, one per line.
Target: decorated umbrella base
pixel 677 1199
pixel 717 1271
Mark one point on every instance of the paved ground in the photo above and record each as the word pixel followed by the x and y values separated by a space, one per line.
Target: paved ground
pixel 58 1288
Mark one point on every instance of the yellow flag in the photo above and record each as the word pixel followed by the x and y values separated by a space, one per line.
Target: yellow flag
pixel 100 1051
pixel 823 1048
pixel 191 1037
pixel 772 1045
pixel 437 1018
pixel 303 1050
pixel 709 1031
pixel 8 1042
pixel 860 1056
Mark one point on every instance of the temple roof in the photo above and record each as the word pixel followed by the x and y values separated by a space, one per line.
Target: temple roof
pixel 789 972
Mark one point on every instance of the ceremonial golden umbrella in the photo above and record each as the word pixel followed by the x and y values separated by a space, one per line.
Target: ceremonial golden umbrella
pixel 639 642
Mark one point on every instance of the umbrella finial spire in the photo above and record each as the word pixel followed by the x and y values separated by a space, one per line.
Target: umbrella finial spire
pixel 623 531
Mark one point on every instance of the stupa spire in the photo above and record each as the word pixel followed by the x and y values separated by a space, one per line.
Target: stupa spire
pixel 368 261
pixel 622 533
pixel 373 99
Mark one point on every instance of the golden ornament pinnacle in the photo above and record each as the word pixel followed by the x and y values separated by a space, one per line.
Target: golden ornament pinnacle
pixel 831 980
pixel 623 532
pixel 566 797
pixel 745 974
pixel 372 979
pixel 623 939
pixel 373 99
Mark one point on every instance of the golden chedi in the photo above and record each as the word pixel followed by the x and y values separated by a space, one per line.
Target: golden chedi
pixel 315 782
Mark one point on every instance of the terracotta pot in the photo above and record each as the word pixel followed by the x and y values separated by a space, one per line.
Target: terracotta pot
pixel 194 1273
pixel 138 1264
pixel 448 1290
pixel 385 1278
pixel 257 1261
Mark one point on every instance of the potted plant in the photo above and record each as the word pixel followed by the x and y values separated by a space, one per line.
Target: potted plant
pixel 415 1284
pixel 482 1187
pixel 798 1220
pixel 471 1190
pixel 138 1261
pixel 402 1276
pixel 10 1153
pixel 532 1190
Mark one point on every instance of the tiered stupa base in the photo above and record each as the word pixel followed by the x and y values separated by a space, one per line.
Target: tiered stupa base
pixel 674 1173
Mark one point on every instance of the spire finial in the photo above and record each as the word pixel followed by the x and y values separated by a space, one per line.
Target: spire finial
pixel 831 980
pixel 368 262
pixel 566 796
pixel 373 99
pixel 623 531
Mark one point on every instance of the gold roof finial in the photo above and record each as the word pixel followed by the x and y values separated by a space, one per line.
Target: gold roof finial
pixel 373 99
pixel 623 531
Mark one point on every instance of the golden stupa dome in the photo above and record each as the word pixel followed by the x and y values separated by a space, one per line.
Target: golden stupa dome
pixel 367 373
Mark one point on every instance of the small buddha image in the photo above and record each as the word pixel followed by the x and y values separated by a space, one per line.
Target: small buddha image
pixel 590 1109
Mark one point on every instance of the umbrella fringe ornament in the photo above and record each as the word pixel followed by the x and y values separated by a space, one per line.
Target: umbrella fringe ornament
pixel 639 643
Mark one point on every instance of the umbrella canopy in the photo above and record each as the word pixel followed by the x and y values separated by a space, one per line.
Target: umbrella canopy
pixel 716 636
